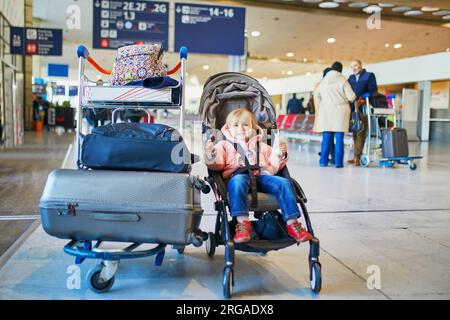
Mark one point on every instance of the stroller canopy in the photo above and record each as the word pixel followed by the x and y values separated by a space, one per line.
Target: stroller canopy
pixel 225 92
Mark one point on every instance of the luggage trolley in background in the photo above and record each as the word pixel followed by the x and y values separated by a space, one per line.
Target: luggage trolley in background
pixel 101 277
pixel 376 113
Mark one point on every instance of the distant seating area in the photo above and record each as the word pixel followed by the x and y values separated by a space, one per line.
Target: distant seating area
pixel 300 126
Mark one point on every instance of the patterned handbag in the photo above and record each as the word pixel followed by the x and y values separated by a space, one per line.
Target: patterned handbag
pixel 137 62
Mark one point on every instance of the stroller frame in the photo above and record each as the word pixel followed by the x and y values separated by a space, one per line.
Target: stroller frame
pixel 223 236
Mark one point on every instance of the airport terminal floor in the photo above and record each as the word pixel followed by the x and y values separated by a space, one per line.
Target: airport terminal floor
pixel 393 219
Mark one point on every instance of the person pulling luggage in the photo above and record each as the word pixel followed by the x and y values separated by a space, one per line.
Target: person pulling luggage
pixel 362 82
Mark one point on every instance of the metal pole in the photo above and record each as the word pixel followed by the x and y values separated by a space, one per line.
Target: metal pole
pixel 79 109
pixel 183 96
pixel 369 128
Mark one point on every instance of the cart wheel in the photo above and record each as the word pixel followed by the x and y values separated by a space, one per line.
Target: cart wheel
pixel 227 282
pixel 197 240
pixel 412 166
pixel 316 277
pixel 211 244
pixel 94 281
pixel 364 161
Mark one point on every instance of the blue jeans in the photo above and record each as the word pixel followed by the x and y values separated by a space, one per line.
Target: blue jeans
pixel 281 188
pixel 338 151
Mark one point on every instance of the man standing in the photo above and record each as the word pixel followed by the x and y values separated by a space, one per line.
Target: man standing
pixel 361 82
pixel 295 106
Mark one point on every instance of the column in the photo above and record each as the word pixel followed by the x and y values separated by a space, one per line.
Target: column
pixel 423 128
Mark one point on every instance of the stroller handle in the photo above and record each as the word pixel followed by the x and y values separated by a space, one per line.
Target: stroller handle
pixel 83 52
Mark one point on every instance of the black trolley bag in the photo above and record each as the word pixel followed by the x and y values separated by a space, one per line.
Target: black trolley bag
pixel 135 147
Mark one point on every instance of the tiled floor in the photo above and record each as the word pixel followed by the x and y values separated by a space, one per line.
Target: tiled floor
pixel 394 220
pixel 23 172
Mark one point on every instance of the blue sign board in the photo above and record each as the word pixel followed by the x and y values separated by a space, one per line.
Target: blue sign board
pixel 120 23
pixel 36 41
pixel 58 70
pixel 73 91
pixel 59 90
pixel 40 89
pixel 39 81
pixel 204 28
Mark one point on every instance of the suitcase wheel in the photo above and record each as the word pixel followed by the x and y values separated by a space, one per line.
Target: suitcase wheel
pixel 96 283
pixel 180 249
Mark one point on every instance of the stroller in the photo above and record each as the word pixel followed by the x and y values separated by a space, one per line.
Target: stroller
pixel 222 94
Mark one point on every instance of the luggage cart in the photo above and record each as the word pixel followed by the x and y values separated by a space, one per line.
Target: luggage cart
pixel 366 158
pixel 101 278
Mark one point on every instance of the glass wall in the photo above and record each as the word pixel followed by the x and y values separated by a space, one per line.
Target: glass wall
pixel 11 90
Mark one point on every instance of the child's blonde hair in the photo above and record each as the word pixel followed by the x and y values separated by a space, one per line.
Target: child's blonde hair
pixel 241 112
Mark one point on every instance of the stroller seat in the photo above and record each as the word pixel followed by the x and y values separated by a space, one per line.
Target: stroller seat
pixel 222 94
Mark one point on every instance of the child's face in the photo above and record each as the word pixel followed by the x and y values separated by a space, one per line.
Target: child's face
pixel 241 128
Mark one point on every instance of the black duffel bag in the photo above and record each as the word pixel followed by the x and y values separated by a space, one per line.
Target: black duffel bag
pixel 378 100
pixel 135 147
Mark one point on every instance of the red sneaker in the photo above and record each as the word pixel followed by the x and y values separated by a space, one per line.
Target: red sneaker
pixel 296 231
pixel 243 232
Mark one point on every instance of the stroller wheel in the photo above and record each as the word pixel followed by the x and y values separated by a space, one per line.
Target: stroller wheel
pixel 95 283
pixel 228 282
pixel 316 277
pixel 211 245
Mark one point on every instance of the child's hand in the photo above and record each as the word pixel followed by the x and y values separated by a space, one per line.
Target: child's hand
pixel 210 148
pixel 283 148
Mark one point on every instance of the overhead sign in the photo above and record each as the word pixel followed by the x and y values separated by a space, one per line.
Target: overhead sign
pixel 58 70
pixel 73 91
pixel 204 28
pixel 59 90
pixel 36 41
pixel 39 89
pixel 121 23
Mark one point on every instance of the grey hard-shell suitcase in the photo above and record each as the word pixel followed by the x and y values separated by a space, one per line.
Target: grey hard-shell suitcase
pixel 394 143
pixel 139 207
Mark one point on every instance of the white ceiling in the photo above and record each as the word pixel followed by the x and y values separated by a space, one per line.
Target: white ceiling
pixel 282 30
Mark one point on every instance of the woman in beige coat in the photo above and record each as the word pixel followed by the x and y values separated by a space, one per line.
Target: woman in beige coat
pixel 332 97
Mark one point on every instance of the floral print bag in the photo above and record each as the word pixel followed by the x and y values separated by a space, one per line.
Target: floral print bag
pixel 137 62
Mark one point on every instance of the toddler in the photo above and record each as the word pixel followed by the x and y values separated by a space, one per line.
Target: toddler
pixel 241 130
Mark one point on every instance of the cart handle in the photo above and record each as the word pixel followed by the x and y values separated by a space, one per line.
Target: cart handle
pixel 83 52
pixel 388 96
